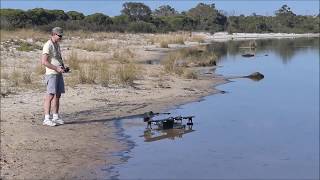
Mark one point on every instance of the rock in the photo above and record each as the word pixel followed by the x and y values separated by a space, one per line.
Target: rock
pixel 256 76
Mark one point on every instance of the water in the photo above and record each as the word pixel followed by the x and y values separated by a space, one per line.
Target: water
pixel 258 130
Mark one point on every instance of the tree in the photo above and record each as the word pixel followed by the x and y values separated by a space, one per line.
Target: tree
pixel 58 15
pixel 74 15
pixel 285 10
pixel 40 16
pixel 136 11
pixel 180 22
pixel 13 18
pixel 208 17
pixel 285 17
pixel 165 10
pixel 98 19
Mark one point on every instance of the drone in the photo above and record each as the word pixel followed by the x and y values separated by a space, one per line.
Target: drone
pixel 166 128
pixel 167 123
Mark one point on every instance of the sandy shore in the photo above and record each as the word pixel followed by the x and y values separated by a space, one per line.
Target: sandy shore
pixel 224 36
pixel 82 147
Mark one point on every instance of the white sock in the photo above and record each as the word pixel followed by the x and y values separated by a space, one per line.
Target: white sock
pixel 55 116
pixel 47 117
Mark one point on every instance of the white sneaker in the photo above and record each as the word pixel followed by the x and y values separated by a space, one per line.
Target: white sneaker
pixel 58 121
pixel 48 122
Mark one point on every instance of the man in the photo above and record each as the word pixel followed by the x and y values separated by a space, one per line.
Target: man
pixel 52 60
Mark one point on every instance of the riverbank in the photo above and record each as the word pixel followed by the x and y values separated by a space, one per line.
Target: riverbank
pixel 224 36
pixel 82 147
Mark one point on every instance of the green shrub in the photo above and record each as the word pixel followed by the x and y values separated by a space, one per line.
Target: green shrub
pixel 141 26
pixel 25 46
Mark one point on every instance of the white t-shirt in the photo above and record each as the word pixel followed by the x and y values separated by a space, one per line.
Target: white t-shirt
pixel 54 55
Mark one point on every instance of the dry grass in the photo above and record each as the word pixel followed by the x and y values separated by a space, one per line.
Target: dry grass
pixel 164 44
pixel 177 62
pixel 123 56
pixel 72 79
pixel 4 74
pixel 171 65
pixel 197 38
pixel 175 38
pixel 190 74
pixel 15 78
pixel 126 73
pixel 6 90
pixel 40 69
pixel 23 34
pixel 104 75
pixel 88 73
pixel 197 57
pixel 73 61
pixel 97 35
pixel 165 39
pixel 26 77
pixel 91 45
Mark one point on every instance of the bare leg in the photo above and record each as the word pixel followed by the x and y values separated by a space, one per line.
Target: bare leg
pixel 56 103
pixel 47 103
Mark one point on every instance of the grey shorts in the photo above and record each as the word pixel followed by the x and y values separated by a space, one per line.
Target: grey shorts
pixel 55 83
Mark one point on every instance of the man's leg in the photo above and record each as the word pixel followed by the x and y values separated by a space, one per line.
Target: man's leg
pixel 47 105
pixel 56 103
pixel 55 109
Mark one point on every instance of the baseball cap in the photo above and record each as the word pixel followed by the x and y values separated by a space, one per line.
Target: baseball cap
pixel 57 30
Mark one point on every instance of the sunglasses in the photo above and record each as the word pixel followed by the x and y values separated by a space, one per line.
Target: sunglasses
pixel 59 35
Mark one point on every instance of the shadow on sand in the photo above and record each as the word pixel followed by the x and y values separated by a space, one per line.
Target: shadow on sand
pixel 104 120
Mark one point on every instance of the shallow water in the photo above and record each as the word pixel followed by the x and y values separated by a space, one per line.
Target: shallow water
pixel 266 129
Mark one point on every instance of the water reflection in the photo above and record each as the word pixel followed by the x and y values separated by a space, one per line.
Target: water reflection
pixel 286 49
pixel 151 135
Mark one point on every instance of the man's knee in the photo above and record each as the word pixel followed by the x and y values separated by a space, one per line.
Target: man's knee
pixel 49 97
pixel 58 95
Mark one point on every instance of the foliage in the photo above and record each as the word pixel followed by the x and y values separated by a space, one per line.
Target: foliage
pixel 137 17
pixel 141 26
pixel 165 10
pixel 207 17
pixel 136 11
pixel 74 15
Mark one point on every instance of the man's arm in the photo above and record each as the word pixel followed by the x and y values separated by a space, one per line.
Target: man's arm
pixel 46 63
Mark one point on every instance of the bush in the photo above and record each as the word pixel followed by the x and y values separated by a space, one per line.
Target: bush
pixel 141 26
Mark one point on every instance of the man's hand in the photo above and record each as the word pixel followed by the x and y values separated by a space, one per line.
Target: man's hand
pixel 45 62
pixel 60 69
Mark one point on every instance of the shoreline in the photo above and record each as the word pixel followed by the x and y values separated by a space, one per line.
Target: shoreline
pixel 224 36
pixel 83 145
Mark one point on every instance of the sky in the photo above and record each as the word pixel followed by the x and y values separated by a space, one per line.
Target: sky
pixel 113 7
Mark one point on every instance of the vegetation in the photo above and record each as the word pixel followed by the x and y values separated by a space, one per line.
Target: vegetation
pixel 25 46
pixel 137 17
